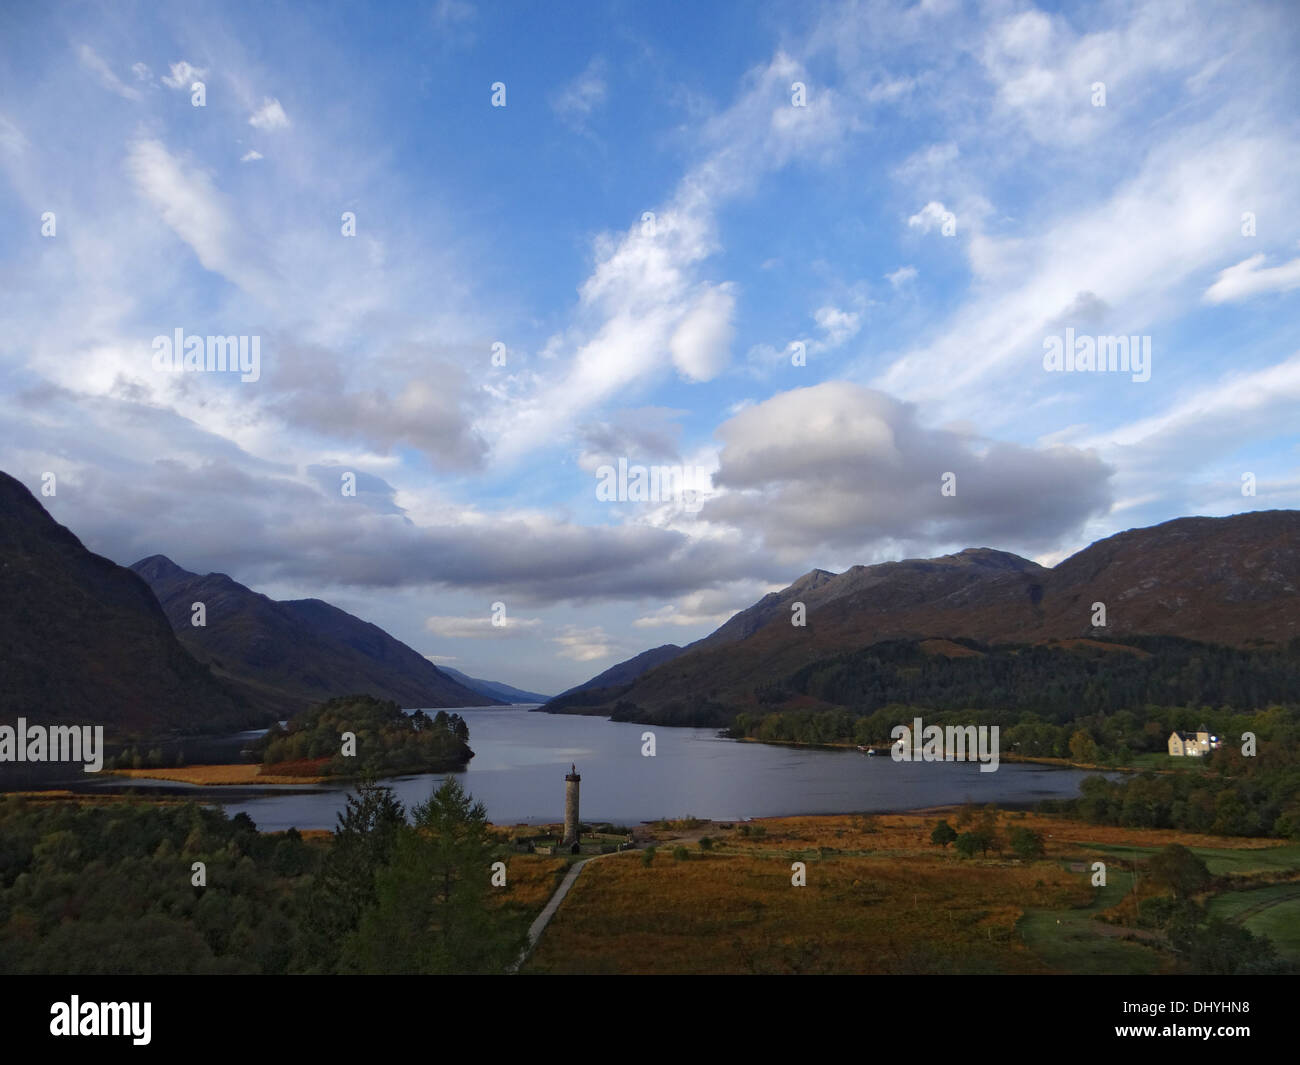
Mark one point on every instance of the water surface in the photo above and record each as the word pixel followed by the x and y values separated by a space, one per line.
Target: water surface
pixel 521 759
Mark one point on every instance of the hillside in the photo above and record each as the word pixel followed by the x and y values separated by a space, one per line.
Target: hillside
pixel 494 689
pixel 1226 581
pixel 295 653
pixel 85 641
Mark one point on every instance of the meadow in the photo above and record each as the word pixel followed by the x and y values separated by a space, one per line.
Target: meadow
pixel 881 898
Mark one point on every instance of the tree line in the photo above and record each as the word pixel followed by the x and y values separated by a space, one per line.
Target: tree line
pixel 104 889
pixel 388 741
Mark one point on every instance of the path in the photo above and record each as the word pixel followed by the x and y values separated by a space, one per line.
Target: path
pixel 538 926
pixel 1267 904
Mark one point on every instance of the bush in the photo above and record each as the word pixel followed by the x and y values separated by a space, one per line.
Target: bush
pixel 1026 843
pixel 706 844
pixel 681 854
pixel 647 856
pixel 1179 870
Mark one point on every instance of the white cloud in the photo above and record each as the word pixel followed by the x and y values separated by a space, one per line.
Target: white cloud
pixel 842 467
pixel 91 60
pixel 928 217
pixel 701 343
pixel 838 325
pixel 453 21
pixel 269 116
pixel 583 645
pixel 11 137
pixel 250 156
pixel 189 202
pixel 901 276
pixel 479 628
pixel 577 101
pixel 183 75
pixel 700 609
pixel 1250 277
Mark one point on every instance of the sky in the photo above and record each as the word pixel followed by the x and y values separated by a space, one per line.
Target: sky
pixel 811 261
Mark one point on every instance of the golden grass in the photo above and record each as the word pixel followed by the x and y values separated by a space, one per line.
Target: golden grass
pixel 880 898
pixel 741 914
pixel 243 773
pixel 530 880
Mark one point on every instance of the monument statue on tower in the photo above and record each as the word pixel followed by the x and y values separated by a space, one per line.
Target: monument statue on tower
pixel 571 782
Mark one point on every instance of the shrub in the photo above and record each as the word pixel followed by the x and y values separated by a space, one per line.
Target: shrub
pixel 1026 843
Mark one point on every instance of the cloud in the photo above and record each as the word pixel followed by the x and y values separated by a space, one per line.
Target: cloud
pixel 643 435
pixel 91 60
pixel 1251 278
pixel 583 644
pixel 643 308
pixel 898 278
pixel 480 628
pixel 579 99
pixel 453 21
pixel 837 466
pixel 928 217
pixel 699 610
pixel 11 137
pixel 189 202
pixel 838 325
pixel 250 156
pixel 701 343
pixel 432 411
pixel 1086 309
pixel 269 116
pixel 183 75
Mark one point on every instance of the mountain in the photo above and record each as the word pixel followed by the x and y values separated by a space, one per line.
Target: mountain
pixel 1228 581
pixel 626 672
pixel 295 653
pixel 85 641
pixel 494 689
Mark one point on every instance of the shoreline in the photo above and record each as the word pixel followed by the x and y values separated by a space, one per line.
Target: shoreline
pixel 1019 759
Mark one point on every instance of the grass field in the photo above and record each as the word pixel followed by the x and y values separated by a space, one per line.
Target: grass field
pixel 1272 911
pixel 1220 860
pixel 243 773
pixel 879 899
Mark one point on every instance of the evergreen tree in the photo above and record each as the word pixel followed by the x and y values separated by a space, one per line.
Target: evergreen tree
pixel 364 842
pixel 431 913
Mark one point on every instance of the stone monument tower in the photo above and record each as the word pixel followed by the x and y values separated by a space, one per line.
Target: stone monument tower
pixel 571 782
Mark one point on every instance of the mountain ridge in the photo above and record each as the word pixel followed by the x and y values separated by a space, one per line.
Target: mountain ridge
pixel 86 641
pixel 294 653
pixel 1229 581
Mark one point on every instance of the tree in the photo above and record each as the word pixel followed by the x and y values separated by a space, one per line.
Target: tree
pixel 1222 948
pixel 431 912
pixel 364 840
pixel 1082 747
pixel 943 834
pixel 1025 842
pixel 1179 870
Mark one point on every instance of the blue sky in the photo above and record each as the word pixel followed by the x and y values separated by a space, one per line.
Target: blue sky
pixel 945 193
